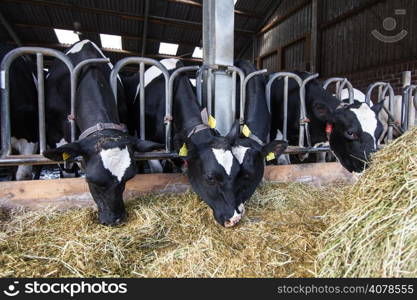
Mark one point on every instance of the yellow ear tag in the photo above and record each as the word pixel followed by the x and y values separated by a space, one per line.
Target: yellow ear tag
pixel 211 122
pixel 65 156
pixel 246 131
pixel 270 156
pixel 183 151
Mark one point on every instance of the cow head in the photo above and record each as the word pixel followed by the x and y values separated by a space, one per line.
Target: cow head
pixel 109 163
pixel 251 157
pixel 355 133
pixel 212 171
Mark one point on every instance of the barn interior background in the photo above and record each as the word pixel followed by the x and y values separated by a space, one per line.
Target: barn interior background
pixel 363 40
pixel 333 38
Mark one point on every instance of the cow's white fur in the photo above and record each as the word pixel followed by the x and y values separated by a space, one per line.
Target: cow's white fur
pixel 116 160
pixel 153 72
pixel 357 95
pixel 236 217
pixel 62 142
pixel 79 46
pixel 224 158
pixel 24 147
pixel 367 119
pixel 239 152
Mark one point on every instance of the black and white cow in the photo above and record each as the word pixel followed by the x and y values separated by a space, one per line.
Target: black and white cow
pixel 355 128
pixel 105 146
pixel 23 109
pixel 223 171
pixel 251 147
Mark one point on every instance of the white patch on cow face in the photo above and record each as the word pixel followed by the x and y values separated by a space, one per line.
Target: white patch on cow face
pixel 153 72
pixel 239 152
pixel 233 220
pixel 116 160
pixel 224 158
pixel 367 119
pixel 62 142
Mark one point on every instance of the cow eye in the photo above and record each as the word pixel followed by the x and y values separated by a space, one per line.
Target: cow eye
pixel 210 179
pixel 351 135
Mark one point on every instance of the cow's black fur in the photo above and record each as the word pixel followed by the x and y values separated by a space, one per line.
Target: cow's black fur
pixel 95 103
pixel 353 151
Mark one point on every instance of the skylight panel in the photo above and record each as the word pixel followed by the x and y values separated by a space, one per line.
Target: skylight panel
pixel 67 37
pixel 110 41
pixel 198 52
pixel 168 48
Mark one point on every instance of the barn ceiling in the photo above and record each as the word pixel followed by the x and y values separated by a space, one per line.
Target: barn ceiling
pixel 176 21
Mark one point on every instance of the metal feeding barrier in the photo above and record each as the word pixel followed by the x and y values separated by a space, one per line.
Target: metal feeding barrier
pixel 409 106
pixel 341 83
pixel 304 132
pixel 385 90
pixel 206 99
pixel 6 157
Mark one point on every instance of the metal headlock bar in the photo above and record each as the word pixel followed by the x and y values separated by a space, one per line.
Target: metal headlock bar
pixel 409 104
pixel 341 83
pixel 384 90
pixel 206 99
pixel 6 157
pixel 304 133
pixel 142 61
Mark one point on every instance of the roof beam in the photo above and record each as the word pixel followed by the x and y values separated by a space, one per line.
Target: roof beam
pixel 198 4
pixel 152 19
pixel 145 27
pixel 125 36
pixel 126 52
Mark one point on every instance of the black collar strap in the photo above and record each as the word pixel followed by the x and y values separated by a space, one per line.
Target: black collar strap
pixel 100 127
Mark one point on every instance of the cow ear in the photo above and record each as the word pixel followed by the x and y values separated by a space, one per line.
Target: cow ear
pixel 322 111
pixel 68 151
pixel 276 147
pixel 378 107
pixel 146 146
pixel 234 133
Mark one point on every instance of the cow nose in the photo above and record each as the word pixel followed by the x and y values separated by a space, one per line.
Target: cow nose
pixel 233 220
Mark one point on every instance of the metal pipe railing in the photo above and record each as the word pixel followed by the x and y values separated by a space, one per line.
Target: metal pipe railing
pixel 168 117
pixel 5 92
pixel 384 89
pixel 341 83
pixel 74 78
pixel 142 61
pixel 286 76
pixel 243 93
pixel 408 106
pixel 304 122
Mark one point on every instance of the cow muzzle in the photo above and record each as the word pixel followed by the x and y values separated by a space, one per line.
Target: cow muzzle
pixel 237 216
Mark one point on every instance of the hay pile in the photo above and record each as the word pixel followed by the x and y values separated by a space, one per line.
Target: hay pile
pixel 377 236
pixel 172 236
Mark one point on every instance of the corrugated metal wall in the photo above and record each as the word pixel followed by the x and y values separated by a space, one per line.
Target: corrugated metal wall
pixel 346 43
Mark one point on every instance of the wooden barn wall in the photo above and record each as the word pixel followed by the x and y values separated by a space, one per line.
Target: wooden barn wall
pixel 346 46
pixel 285 44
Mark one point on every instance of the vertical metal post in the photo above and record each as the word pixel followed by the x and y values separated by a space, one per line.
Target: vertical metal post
pixel 314 36
pixel 142 100
pixel 218 46
pixel 5 110
pixel 405 107
pixel 41 103
pixel 285 124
